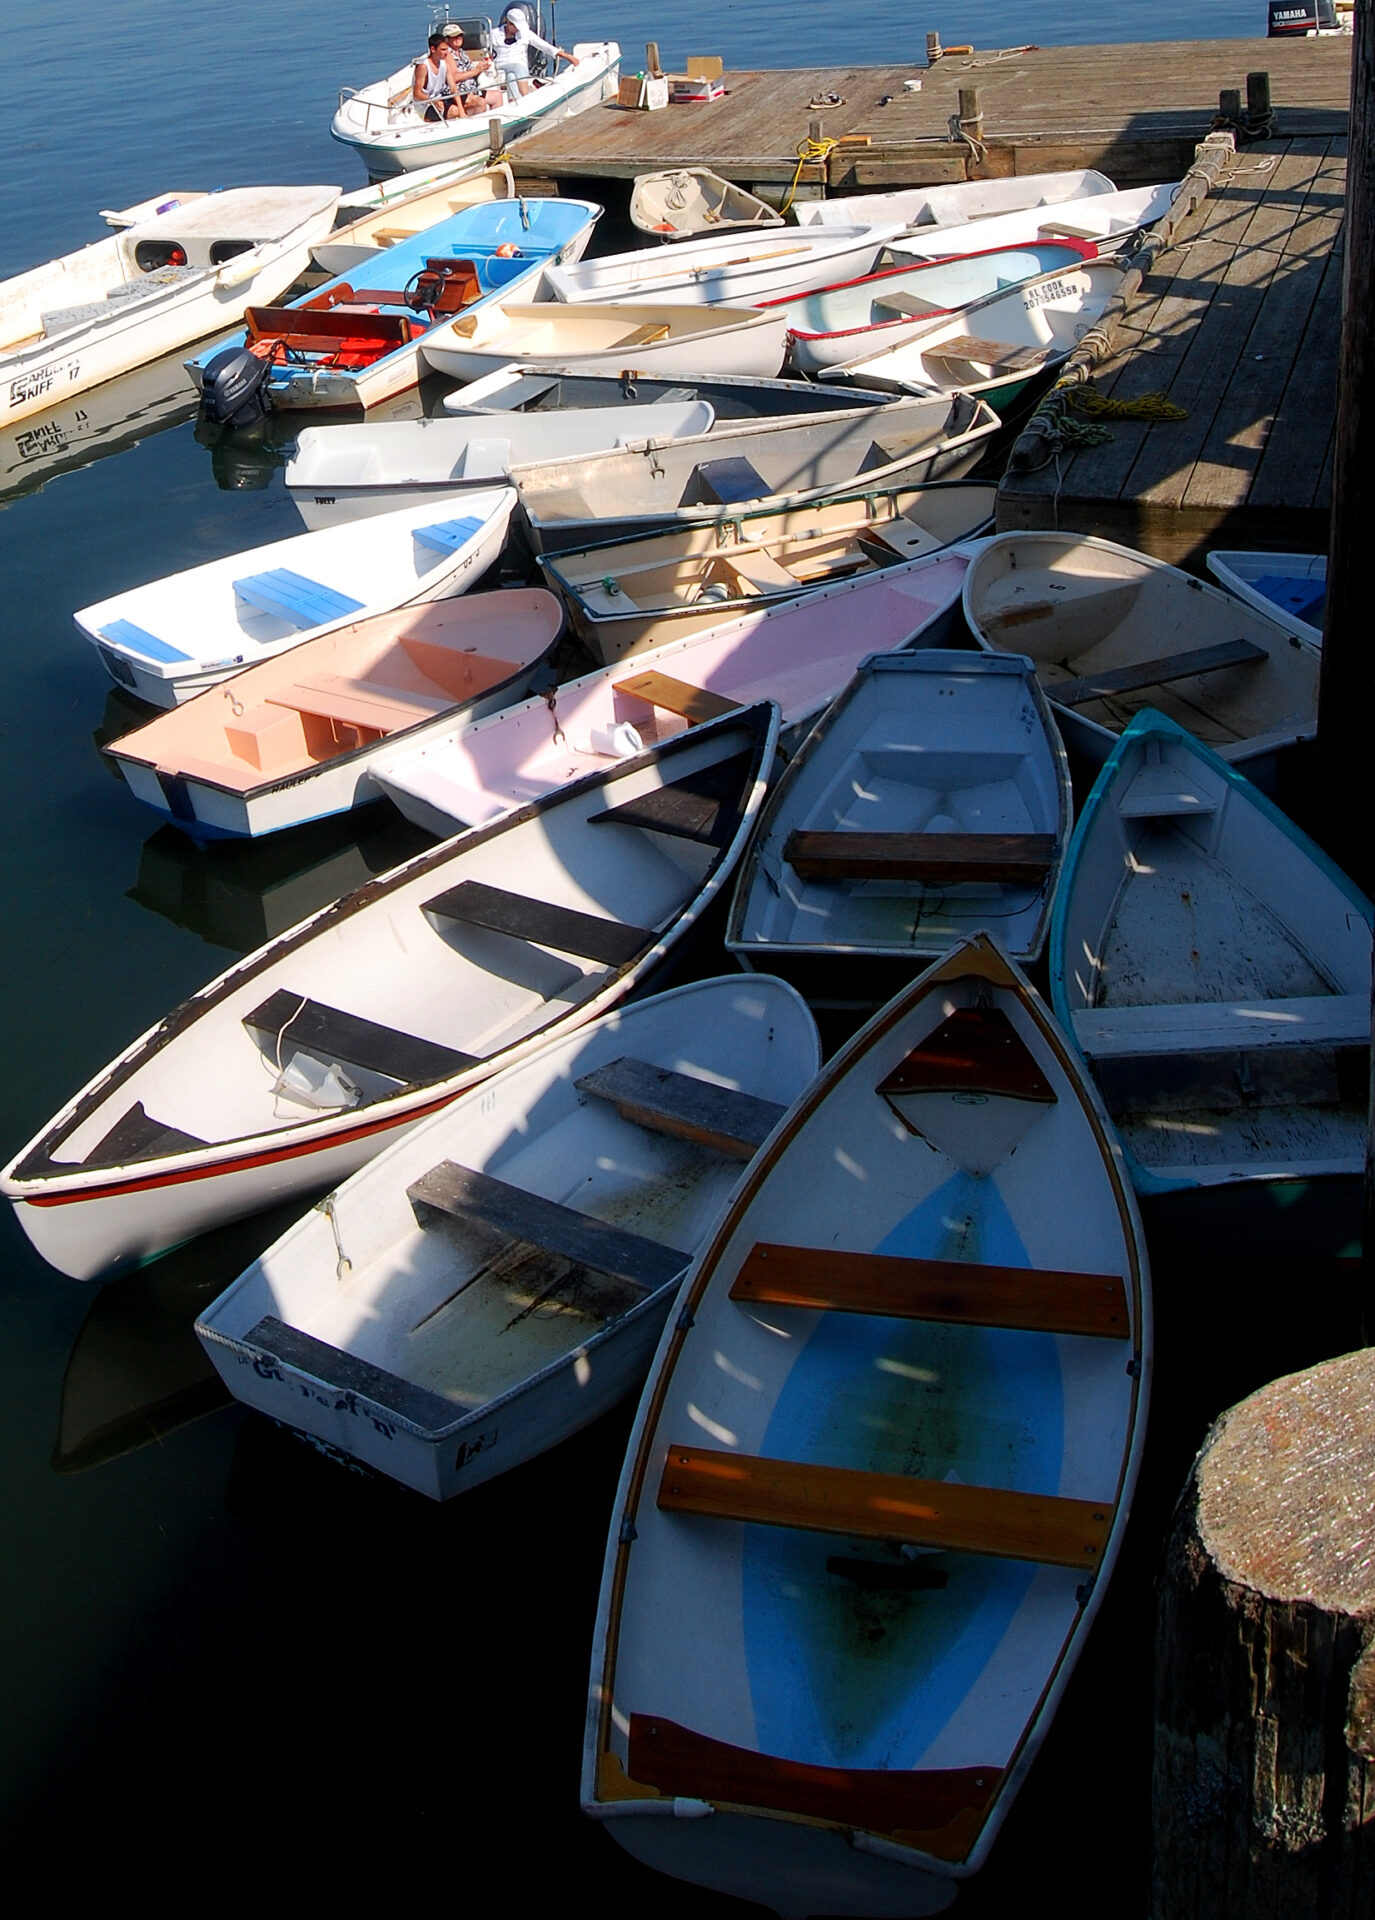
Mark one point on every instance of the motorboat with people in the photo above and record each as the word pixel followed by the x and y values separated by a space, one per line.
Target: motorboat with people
pixel 392 130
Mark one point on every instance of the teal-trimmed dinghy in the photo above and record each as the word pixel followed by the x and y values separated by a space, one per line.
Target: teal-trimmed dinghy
pixel 1214 966
pixel 881 1470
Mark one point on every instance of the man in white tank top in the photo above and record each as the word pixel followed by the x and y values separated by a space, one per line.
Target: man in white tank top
pixel 435 83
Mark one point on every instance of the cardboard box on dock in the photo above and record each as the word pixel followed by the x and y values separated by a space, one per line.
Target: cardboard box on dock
pixel 647 90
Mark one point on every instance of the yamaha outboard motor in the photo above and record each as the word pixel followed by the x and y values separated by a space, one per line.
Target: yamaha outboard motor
pixel 1290 18
pixel 234 388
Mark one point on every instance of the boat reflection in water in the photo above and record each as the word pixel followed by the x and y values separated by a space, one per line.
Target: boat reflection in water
pixel 237 894
pixel 136 1371
pixel 90 425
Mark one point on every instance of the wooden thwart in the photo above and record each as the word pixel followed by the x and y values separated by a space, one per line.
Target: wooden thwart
pixel 288 1023
pixel 997 355
pixel 702 806
pixel 1007 858
pixel 679 1104
pixel 1032 1299
pixel 885 1506
pixel 346 1374
pixel 612 942
pixel 519 1215
pixel 136 1135
pixel 1156 673
pixel 676 696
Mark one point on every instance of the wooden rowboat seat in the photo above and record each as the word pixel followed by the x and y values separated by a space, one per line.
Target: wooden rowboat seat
pixel 345 1373
pixel 1045 1528
pixel 683 1106
pixel 695 704
pixel 1010 859
pixel 1155 673
pixel 288 1023
pixel 961 1292
pixel 136 1135
pixel 613 943
pixel 702 806
pixel 517 1214
pixel 1223 1026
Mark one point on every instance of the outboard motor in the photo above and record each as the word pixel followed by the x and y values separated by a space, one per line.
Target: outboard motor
pixel 1291 19
pixel 234 388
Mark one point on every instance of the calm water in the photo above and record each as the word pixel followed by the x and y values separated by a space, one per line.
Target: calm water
pixel 204 1626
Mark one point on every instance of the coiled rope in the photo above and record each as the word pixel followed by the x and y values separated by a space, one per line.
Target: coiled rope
pixel 810 153
pixel 1150 406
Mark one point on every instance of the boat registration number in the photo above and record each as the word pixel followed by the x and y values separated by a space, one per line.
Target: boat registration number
pixel 41 380
pixel 1052 290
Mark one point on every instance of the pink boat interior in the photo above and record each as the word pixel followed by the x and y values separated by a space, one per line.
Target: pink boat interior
pixel 349 689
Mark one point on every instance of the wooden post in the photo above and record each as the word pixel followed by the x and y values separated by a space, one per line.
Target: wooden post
pixel 652 56
pixel 1258 107
pixel 495 138
pixel 814 128
pixel 1348 658
pixel 971 113
pixel 1229 105
pixel 933 49
pixel 1264 1782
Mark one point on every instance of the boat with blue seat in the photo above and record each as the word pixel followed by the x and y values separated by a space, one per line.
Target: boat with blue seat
pixel 355 341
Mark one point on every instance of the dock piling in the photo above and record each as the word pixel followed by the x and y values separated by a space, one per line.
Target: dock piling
pixel 1259 111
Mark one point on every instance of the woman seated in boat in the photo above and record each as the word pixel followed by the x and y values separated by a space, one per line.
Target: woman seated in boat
pixel 473 96
pixel 511 56
pixel 435 83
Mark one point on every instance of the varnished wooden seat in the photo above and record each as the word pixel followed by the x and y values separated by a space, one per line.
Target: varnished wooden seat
pixel 520 1215
pixel 885 1506
pixel 1007 859
pixel 1032 1299
pixel 676 696
pixel 681 1105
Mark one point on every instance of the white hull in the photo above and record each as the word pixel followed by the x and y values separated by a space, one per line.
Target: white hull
pixel 452 1382
pixel 969 202
pixel 1247 574
pixel 1108 219
pixel 699 342
pixel 38 372
pixel 393 139
pixel 688 201
pixel 724 270
pixel 174 637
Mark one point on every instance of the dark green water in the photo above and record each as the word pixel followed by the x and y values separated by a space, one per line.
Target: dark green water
pixel 223 1659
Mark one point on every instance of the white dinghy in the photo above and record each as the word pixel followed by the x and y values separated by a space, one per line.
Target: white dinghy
pixel 380 217
pixel 1109 220
pixel 692 200
pixel 297 1064
pixel 799 654
pixel 1112 631
pixel 722 269
pixel 174 637
pixel 630 595
pixel 776 465
pixel 881 1470
pixel 387 132
pixel 514 389
pixel 965 203
pixel 664 340
pixel 511 1263
pixel 353 470
pixel 165 280
pixel 1214 965
pixel 1290 587
pixel 932 799
pixel 298 736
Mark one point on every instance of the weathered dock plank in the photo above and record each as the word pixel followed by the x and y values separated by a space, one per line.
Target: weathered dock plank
pixel 1237 321
pixel 1135 110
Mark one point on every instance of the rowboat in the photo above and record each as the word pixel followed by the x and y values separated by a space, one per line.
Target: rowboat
pixel 775 465
pixel 176 636
pixel 951 206
pixel 997 345
pixel 355 341
pixel 350 471
pixel 1214 966
pixel 384 129
pixel 799 653
pixel 933 798
pixel 73 433
pixel 722 269
pixel 839 324
pixel 149 288
pixel 881 1469
pixel 1112 631
pixel 664 341
pixel 297 1064
pixel 511 1262
pixel 1110 220
pixel 405 206
pixel 514 389
pixel 624 596
pixel 298 736
pixel 1290 587
pixel 691 200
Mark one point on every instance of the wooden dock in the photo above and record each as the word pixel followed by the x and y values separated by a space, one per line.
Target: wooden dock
pixel 1238 320
pixel 1136 111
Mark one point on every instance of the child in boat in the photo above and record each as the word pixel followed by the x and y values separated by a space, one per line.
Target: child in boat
pixel 511 55
pixel 473 97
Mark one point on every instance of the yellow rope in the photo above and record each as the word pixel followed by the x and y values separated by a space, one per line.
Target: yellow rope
pixel 1151 406
pixel 810 153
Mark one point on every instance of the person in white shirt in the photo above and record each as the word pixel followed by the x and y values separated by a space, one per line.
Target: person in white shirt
pixel 511 54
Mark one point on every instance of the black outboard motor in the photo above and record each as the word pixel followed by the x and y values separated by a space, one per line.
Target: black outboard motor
pixel 234 388
pixel 1294 18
